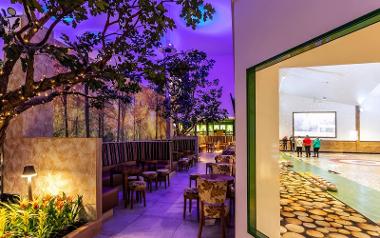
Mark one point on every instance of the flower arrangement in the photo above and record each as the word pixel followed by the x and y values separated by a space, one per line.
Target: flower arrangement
pixel 44 217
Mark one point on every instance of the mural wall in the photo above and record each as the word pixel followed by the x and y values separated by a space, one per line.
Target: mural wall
pixel 139 120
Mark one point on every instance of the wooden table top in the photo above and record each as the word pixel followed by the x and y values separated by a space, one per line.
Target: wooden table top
pixel 218 177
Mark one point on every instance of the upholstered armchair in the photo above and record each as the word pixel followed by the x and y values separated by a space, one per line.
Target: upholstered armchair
pixel 221 169
pixel 212 195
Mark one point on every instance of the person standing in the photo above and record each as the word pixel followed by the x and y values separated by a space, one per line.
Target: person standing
pixel 285 143
pixel 316 146
pixel 299 144
pixel 292 143
pixel 307 144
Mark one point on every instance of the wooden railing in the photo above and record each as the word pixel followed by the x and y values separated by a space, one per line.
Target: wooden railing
pixel 115 153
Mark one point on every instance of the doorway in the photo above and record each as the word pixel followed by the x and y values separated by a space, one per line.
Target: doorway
pixel 352 44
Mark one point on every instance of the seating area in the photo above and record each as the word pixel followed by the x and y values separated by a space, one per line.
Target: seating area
pixel 184 208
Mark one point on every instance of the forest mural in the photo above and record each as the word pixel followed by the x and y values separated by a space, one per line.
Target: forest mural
pixel 141 119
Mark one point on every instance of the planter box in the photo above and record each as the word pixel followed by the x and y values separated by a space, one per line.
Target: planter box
pixel 88 230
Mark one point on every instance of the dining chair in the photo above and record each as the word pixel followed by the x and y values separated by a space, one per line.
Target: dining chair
pixel 212 195
pixel 221 169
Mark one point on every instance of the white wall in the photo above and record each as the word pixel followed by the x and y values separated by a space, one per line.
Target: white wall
pixel 345 115
pixel 264 28
pixel 370 119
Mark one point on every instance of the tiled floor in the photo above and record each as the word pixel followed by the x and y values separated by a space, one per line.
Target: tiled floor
pixel 162 217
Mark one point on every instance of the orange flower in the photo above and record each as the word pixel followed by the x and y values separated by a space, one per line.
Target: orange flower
pixel 69 199
pixel 35 204
pixel 47 198
pixel 24 203
pixel 59 205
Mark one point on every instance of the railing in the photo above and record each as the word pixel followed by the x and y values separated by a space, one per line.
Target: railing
pixel 115 153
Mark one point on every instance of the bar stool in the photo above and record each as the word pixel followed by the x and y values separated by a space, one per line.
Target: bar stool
pixel 209 167
pixel 190 194
pixel 150 176
pixel 193 177
pixel 183 164
pixel 164 175
pixel 140 188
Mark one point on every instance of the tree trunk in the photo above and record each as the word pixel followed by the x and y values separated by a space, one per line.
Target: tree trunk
pixel 65 116
pixel 86 112
pixel 123 112
pixel 99 124
pixel 3 133
pixel 118 120
pixel 156 117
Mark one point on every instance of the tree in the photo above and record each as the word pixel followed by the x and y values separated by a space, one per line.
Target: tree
pixel 110 61
pixel 193 98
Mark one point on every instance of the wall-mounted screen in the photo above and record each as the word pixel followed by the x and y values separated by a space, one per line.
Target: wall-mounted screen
pixel 314 124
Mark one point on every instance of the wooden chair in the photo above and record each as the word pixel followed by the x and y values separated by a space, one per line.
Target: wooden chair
pixel 138 187
pixel 149 177
pixel 212 195
pixel 190 194
pixel 164 175
pixel 193 177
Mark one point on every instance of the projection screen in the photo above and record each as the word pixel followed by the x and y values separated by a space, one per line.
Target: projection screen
pixel 314 124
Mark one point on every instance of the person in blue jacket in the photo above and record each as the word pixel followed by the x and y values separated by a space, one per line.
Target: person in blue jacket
pixel 316 146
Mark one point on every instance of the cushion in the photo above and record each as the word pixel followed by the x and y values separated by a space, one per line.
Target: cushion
pixel 215 210
pixel 191 193
pixel 137 185
pixel 150 174
pixel 163 171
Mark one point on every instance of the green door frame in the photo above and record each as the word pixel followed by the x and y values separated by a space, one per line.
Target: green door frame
pixel 355 25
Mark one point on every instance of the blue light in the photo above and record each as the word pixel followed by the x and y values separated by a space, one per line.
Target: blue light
pixel 202 21
pixel 65 19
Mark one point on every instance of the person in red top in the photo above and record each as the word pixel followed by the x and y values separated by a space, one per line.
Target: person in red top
pixel 307 145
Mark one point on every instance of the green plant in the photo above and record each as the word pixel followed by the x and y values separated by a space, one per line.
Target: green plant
pixel 44 217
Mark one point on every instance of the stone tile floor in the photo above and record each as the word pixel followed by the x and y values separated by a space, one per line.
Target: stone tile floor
pixel 162 217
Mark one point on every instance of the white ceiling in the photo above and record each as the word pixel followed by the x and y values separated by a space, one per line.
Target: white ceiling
pixel 349 84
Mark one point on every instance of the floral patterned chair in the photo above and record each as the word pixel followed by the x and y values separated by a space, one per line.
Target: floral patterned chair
pixel 212 195
pixel 221 169
pixel 140 188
